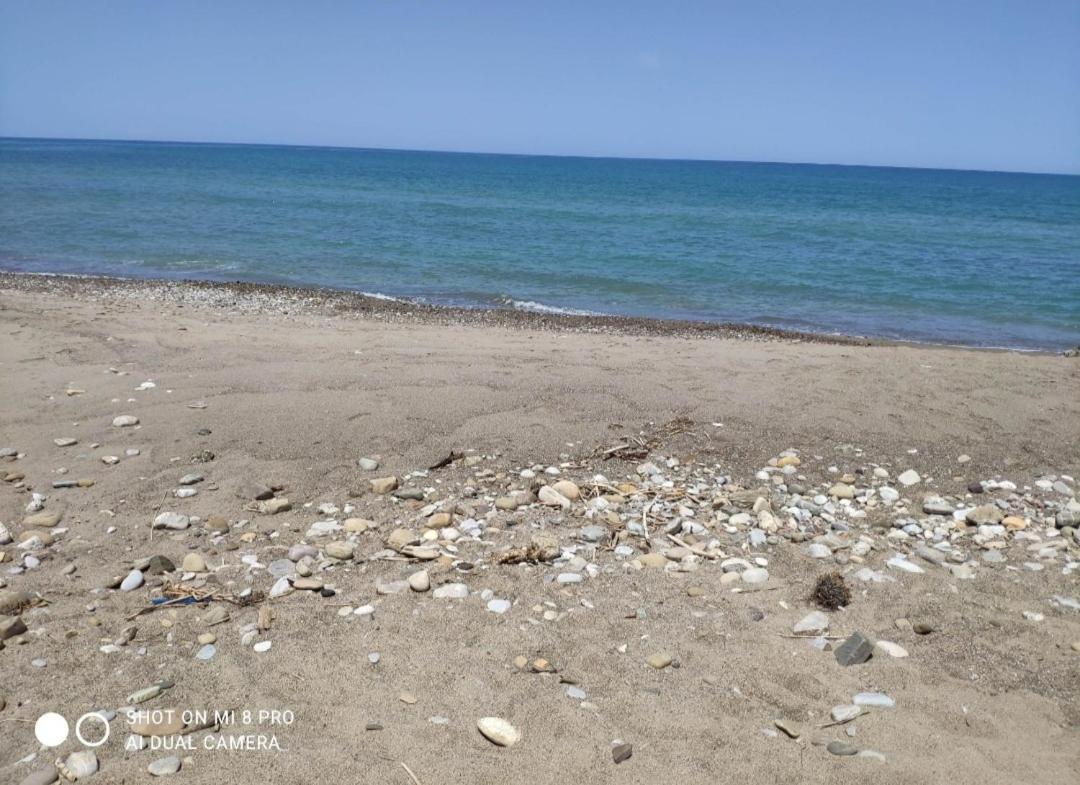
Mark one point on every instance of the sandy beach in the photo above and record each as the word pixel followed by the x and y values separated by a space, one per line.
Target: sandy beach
pixel 725 452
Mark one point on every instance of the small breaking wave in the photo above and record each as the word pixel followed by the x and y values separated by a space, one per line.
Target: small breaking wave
pixel 385 297
pixel 535 307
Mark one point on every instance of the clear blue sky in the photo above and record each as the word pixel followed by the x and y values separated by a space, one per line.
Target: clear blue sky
pixel 979 84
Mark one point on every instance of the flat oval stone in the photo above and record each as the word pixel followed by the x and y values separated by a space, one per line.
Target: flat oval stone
pixel 41 777
pixel 132 581
pixel 498 731
pixel 164 766
pixel 168 723
pixel 45 519
pixel 877 700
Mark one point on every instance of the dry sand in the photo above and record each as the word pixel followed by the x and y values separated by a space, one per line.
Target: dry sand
pixel 296 398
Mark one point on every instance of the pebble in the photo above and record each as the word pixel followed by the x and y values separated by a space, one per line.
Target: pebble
pixel 164 766
pixel 755 575
pixel 653 560
pixel 206 652
pixel 343 551
pixel 498 606
pixel 451 591
pixel 816 622
pixel 568 489
pixel 935 505
pixel 275 506
pixel 172 520
pixel 841 748
pixel 909 478
pixel 125 421
pixel 984 514
pixel 132 581
pixel 790 729
pixel 420 581
pixel 845 713
pixel 216 615
pixel 842 491
pixel 874 700
pixel 41 777
pixel 263 646
pixel 193 562
pixel 166 722
pixel 498 731
pixel 659 660
pixel 368 464
pixel 384 485
pixel 856 650
pixel 145 694
pixel 899 562
pixel 43 520
pixel 551 497
pixel 890 648
pixel 621 752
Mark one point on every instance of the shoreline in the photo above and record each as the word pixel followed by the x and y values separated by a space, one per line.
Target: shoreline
pixel 270 297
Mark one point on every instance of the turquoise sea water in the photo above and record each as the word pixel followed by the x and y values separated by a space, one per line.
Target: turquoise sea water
pixel 976 258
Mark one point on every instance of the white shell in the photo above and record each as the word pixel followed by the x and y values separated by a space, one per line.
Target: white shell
pixel 79 765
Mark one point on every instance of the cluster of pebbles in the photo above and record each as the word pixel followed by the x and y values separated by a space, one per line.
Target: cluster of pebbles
pixel 437 532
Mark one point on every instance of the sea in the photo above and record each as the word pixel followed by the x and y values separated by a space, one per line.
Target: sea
pixel 927 255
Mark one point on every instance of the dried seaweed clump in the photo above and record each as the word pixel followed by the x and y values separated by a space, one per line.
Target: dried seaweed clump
pixel 831 591
pixel 542 548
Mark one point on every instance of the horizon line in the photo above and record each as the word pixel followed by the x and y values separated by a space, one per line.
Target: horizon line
pixel 530 155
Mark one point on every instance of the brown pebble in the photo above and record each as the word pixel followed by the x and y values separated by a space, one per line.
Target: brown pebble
pixel 621 752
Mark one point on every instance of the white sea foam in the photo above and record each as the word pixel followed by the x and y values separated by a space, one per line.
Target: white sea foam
pixel 535 307
pixel 386 297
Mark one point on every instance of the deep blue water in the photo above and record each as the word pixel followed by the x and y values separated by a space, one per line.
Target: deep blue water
pixel 942 256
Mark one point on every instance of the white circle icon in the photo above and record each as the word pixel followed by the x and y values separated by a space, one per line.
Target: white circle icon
pixel 51 729
pixel 92 716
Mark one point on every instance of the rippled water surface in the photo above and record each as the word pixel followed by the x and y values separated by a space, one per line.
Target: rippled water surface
pixel 931 255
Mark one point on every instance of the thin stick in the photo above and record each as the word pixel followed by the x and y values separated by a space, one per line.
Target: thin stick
pixel 692 548
pixel 645 518
pixel 843 722
pixel 813 637
pixel 409 772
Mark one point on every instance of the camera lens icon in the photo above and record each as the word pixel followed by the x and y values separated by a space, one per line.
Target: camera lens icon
pixel 52 730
